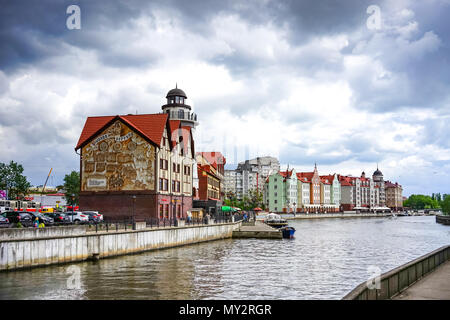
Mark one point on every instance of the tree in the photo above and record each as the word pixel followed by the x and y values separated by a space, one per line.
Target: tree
pixel 255 199
pixel 445 204
pixel 12 180
pixel 72 186
pixel 419 202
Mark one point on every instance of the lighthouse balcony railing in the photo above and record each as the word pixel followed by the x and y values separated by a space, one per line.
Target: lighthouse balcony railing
pixel 190 116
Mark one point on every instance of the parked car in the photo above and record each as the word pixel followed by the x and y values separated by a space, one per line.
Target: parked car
pixel 77 217
pixel 94 216
pixel 48 221
pixel 4 222
pixel 25 218
pixel 59 217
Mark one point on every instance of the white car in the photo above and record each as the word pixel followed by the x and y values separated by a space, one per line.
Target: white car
pixel 77 217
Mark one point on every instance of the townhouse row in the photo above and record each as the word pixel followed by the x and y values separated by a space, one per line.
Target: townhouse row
pixel 291 191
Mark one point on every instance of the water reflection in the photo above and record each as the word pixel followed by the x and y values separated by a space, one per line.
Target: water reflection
pixel 327 259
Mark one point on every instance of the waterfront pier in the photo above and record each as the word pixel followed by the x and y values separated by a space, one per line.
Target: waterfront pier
pixel 257 229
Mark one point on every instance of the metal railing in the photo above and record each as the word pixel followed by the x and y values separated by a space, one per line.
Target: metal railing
pixel 397 280
pixel 109 225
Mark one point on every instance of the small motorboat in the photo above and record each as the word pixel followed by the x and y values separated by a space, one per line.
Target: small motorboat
pixel 275 220
pixel 288 232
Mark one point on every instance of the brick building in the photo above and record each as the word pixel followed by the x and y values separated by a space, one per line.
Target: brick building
pixel 139 165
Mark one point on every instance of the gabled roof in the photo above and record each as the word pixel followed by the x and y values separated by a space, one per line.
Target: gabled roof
pixel 187 138
pixel 174 125
pixel 287 173
pixel 214 158
pixel 150 126
pixel 325 180
pixel 307 175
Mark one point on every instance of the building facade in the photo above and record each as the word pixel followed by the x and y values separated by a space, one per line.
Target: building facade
pixel 138 166
pixel 210 172
pixel 250 175
pixel 394 195
pixel 274 192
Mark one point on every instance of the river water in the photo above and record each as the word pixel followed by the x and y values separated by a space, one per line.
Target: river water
pixel 326 260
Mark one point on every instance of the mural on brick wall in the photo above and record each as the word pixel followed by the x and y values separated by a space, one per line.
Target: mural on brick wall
pixel 118 160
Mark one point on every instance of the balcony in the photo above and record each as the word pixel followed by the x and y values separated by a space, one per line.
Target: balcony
pixel 188 116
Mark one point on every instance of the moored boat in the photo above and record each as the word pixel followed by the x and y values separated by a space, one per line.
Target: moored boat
pixel 275 220
pixel 288 232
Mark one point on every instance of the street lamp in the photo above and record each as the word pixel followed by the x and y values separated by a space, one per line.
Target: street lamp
pixel 134 204
pixel 73 202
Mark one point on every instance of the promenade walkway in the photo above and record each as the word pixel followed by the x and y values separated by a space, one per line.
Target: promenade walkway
pixel 434 286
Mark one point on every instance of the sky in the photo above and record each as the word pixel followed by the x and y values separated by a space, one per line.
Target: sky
pixel 344 84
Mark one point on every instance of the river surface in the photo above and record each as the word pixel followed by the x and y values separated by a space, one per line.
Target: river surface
pixel 326 260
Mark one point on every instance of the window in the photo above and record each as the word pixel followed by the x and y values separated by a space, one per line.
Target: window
pixel 165 184
pixel 173 185
pixel 161 183
pixel 163 164
pixel 178 168
pixel 180 114
pixel 161 211
pixel 166 211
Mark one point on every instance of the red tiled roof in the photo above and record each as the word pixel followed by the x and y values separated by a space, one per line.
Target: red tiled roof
pixel 307 175
pixel 174 125
pixel 91 126
pixel 214 158
pixel 150 126
pixel 287 173
pixel 187 134
pixel 325 180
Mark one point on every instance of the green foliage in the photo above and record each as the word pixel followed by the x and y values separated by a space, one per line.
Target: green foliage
pixel 19 225
pixel 445 205
pixel 11 179
pixel 253 200
pixel 72 186
pixel 419 202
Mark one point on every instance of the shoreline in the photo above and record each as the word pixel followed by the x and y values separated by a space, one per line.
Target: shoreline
pixel 332 215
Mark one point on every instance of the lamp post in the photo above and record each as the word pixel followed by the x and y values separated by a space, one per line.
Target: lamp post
pixel 134 204
pixel 73 203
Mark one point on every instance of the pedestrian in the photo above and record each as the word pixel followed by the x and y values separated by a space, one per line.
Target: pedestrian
pixel 36 222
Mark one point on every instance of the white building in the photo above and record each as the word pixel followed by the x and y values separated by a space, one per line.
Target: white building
pixel 250 175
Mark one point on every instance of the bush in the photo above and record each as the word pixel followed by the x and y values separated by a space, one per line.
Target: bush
pixel 19 225
pixel 445 205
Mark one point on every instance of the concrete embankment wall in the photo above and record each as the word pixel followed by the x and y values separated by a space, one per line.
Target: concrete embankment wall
pixel 34 233
pixel 398 279
pixel 443 219
pixel 33 252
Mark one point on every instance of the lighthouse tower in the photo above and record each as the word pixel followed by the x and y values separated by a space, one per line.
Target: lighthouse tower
pixel 178 110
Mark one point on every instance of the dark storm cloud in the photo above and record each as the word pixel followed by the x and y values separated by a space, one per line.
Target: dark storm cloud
pixel 32 31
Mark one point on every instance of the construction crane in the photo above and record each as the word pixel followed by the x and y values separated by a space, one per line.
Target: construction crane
pixel 43 188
